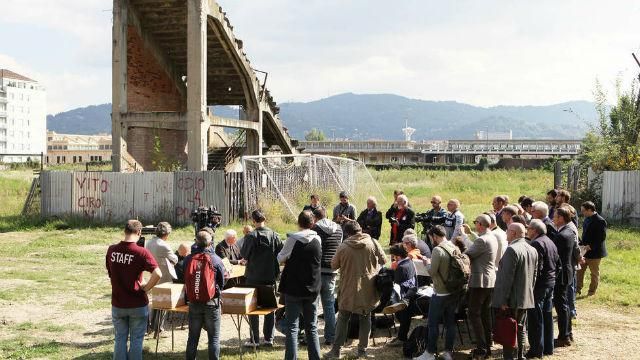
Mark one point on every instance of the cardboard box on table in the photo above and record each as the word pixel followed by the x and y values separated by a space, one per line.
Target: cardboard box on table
pixel 239 300
pixel 168 296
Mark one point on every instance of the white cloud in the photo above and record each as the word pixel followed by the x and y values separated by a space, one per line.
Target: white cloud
pixel 484 53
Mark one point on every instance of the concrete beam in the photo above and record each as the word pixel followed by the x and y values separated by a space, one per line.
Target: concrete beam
pixel 119 83
pixel 233 123
pixel 197 85
pixel 155 120
pixel 220 26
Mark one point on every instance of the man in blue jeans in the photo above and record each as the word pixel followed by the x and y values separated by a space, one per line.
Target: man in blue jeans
pixel 300 284
pixel 205 312
pixel 443 304
pixel 125 263
pixel 331 237
pixel 540 318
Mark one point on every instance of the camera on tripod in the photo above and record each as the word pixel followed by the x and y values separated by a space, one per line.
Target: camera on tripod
pixel 206 217
pixel 428 221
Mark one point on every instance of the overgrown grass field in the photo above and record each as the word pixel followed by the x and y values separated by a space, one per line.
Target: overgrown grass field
pixel 55 295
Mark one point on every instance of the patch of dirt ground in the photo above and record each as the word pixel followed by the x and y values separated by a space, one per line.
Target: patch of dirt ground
pixel 599 332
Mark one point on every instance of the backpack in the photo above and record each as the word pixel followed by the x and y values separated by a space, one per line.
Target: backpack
pixel 384 287
pixel 459 271
pixel 200 279
pixel 417 342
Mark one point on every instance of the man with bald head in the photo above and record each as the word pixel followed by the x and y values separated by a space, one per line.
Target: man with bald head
pixel 513 293
pixel 483 276
pixel 540 318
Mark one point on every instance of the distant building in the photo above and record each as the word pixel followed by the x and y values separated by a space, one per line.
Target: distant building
pixel 23 117
pixel 494 135
pixel 73 149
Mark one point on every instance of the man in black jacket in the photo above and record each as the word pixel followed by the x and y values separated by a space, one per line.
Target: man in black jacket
pixel 259 252
pixel 499 202
pixel 540 318
pixel 401 220
pixel 331 237
pixel 594 234
pixel 540 211
pixel 370 219
pixel 564 240
pixel 300 285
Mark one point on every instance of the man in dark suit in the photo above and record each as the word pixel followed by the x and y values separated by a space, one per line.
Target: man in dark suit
pixel 370 219
pixel 498 203
pixel 594 234
pixel 540 211
pixel 540 318
pixel 513 292
pixel 228 248
pixel 564 241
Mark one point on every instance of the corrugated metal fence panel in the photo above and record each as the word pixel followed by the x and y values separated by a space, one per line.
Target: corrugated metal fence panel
pixel 632 195
pixel 56 193
pixel 612 194
pixel 104 196
pixel 197 188
pixel 152 196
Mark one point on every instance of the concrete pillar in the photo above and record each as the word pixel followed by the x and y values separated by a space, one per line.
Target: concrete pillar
pixel 254 138
pixel 197 120
pixel 119 84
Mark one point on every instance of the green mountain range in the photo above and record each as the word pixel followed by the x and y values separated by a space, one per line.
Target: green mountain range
pixel 383 116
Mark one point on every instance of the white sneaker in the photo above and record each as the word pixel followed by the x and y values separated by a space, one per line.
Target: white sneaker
pixel 425 356
pixel 446 356
pixel 251 344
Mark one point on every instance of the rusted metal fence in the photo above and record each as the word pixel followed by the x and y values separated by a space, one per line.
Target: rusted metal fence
pixel 149 196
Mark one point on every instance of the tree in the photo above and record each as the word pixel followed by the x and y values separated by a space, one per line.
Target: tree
pixel 314 135
pixel 613 143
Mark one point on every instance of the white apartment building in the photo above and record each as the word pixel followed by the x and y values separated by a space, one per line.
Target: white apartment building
pixel 23 118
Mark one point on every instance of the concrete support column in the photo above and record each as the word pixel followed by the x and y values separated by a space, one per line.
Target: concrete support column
pixel 119 84
pixel 197 120
pixel 254 138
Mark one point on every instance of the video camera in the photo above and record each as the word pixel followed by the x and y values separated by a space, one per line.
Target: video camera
pixel 428 221
pixel 206 217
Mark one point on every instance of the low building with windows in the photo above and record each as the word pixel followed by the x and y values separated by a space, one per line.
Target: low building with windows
pixel 73 149
pixel 23 118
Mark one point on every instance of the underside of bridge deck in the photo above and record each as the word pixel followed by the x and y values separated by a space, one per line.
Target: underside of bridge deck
pixel 172 61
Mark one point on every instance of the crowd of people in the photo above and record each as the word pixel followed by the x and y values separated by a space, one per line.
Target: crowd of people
pixel 517 261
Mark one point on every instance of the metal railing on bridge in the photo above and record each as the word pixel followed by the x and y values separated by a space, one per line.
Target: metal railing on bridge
pixel 534 147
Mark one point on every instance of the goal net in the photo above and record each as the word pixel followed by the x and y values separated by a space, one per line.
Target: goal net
pixel 282 184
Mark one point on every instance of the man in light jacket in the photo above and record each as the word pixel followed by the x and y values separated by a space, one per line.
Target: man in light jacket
pixel 482 254
pixel 166 259
pixel 358 258
pixel 513 292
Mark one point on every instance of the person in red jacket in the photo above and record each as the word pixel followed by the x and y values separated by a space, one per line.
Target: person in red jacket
pixel 125 263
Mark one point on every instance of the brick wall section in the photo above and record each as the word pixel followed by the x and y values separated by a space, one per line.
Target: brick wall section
pixel 149 87
pixel 140 142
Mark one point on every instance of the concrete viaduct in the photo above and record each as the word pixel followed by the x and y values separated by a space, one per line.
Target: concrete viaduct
pixel 172 61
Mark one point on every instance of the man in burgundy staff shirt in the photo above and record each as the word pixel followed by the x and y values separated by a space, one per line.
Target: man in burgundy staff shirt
pixel 129 303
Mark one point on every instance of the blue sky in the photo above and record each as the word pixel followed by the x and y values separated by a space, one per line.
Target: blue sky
pixel 479 52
